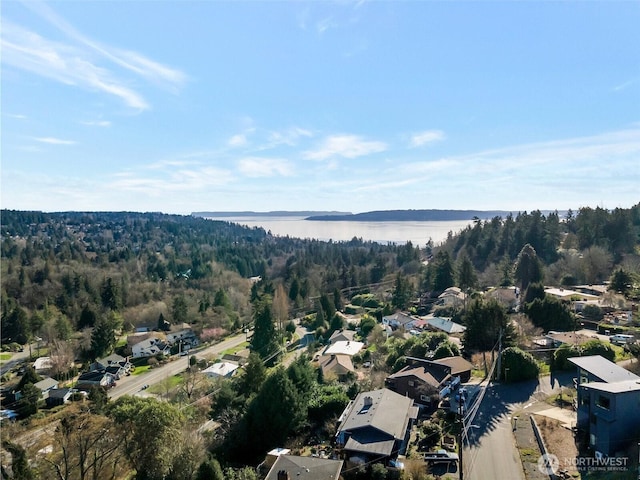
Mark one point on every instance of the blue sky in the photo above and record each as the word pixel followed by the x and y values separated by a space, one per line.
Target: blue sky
pixel 181 106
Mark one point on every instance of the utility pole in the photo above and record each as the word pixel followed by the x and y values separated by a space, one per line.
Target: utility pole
pixel 461 435
pixel 499 375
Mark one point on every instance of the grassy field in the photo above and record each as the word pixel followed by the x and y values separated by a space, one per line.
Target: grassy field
pixel 168 383
pixel 141 370
pixel 233 351
pixel 5 356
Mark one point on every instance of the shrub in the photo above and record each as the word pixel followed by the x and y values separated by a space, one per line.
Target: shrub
pixel 518 365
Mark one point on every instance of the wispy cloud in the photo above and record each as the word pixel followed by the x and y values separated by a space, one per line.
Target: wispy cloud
pixel 288 137
pixel 83 62
pixel 17 116
pixel 97 123
pixel 428 136
pixel 265 167
pixel 54 141
pixel 624 85
pixel 238 140
pixel 172 180
pixel 346 146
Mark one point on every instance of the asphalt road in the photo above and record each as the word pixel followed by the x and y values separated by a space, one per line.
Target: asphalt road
pixel 492 452
pixel 134 383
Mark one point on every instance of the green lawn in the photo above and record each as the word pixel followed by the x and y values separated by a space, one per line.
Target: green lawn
pixel 168 383
pixel 142 369
pixel 5 356
pixel 234 350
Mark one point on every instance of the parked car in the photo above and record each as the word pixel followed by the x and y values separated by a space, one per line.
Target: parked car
pixel 621 339
pixel 440 456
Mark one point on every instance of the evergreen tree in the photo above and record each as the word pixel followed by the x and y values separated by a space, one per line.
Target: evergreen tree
pixel 443 274
pixel 528 267
pixel 264 341
pixel 180 310
pixel 467 276
pixel 484 321
pixel 103 339
pixel 402 292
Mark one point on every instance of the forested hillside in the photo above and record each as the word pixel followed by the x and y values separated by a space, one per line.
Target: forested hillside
pixel 64 272
pixel 581 248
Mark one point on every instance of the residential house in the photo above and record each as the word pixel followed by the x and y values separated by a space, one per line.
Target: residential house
pixel 452 297
pixel 58 396
pixel 555 339
pixel 342 336
pixel 421 377
pixel 221 370
pixel 607 404
pixel 569 295
pixel 343 348
pixel 339 366
pixel 186 337
pixel 376 426
pixel 149 348
pixel 45 385
pixel 293 467
pixel 42 365
pixel 399 320
pixel 442 324
pixel 91 379
pixel 115 364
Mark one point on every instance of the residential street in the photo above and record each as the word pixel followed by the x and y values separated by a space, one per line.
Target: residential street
pixel 133 384
pixel 493 453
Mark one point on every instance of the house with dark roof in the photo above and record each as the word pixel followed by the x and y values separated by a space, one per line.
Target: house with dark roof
pixel 375 426
pixel 421 377
pixel 58 396
pixel 293 467
pixel 607 404
pixel 90 379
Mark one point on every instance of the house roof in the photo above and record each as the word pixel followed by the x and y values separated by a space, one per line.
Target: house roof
pixel 445 324
pixel 339 363
pixel 419 372
pixel 305 468
pixel 452 292
pixel 344 348
pixel 382 410
pixel 615 387
pixel 602 368
pixel 46 384
pixel 113 358
pixel 342 335
pixel 221 369
pixel 569 337
pixel 59 392
pixel 92 376
pixel 456 363
pixel 565 293
pixel 399 317
pixel 42 363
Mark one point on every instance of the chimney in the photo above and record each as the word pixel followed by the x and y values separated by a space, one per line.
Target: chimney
pixel 368 401
pixel 283 475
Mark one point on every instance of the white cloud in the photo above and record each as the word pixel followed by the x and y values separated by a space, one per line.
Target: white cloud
pixel 97 123
pixel 288 137
pixel 172 181
pixel 428 136
pixel 83 62
pixel 347 146
pixel 239 140
pixel 54 141
pixel 264 167
pixel 17 116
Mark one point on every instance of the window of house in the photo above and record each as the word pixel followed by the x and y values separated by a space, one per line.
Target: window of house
pixel 411 383
pixel 584 400
pixel 593 418
pixel 603 402
pixel 424 398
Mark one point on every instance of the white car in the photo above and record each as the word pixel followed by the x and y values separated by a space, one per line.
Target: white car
pixel 621 339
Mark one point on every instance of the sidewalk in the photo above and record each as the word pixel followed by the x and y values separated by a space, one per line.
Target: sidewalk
pixel 527 445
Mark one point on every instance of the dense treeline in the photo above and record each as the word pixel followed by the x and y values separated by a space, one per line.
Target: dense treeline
pixel 579 248
pixel 63 272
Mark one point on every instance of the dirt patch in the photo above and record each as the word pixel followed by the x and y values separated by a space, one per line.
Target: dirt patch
pixel 527 446
pixel 559 441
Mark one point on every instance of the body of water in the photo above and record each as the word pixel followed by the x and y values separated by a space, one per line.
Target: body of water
pixel 418 233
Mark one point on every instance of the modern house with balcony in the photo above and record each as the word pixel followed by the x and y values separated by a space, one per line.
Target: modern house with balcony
pixel 607 404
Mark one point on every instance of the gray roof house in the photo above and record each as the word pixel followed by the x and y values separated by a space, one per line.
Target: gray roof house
pixel 293 467
pixel 58 396
pixel 45 385
pixel 607 404
pixel 342 336
pixel 376 426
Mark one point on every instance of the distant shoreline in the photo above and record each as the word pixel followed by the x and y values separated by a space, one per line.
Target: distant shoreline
pixel 430 215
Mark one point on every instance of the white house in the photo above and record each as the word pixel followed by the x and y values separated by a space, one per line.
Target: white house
pixel 343 348
pixel 399 319
pixel 221 369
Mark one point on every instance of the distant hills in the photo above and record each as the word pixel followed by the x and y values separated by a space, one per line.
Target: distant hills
pixel 413 215
pixel 302 213
pixel 430 215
